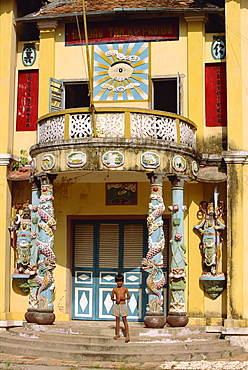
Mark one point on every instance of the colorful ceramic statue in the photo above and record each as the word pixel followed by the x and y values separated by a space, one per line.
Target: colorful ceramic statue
pixel 210 226
pixel 20 232
pixel 153 262
pixel 32 236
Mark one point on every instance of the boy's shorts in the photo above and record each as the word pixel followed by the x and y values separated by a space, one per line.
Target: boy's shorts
pixel 120 310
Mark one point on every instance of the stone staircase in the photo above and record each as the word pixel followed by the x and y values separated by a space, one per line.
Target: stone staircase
pixel 85 341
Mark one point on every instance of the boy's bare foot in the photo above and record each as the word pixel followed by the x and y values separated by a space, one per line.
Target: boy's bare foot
pixel 116 337
pixel 127 340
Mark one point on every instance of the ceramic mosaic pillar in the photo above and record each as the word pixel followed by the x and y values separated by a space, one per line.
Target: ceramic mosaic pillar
pixel 177 309
pixel 153 262
pixel 33 267
pixel 44 260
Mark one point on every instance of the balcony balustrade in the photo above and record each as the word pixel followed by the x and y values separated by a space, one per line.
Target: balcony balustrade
pixel 116 123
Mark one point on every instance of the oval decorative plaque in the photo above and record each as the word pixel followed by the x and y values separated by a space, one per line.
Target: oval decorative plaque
pixel 113 159
pixel 150 160
pixel 76 159
pixel 179 163
pixel 195 168
pixel 47 162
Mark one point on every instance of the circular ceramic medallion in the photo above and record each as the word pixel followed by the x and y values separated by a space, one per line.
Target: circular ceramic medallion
pixel 47 162
pixel 179 163
pixel 113 159
pixel 76 159
pixel 195 168
pixel 150 160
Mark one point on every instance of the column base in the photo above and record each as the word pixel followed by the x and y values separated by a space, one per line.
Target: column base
pixel 177 319
pixel 40 316
pixel 154 320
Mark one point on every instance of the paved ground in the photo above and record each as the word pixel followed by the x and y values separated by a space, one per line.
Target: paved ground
pixel 13 362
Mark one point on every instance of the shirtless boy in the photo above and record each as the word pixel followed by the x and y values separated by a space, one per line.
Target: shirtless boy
pixel 120 294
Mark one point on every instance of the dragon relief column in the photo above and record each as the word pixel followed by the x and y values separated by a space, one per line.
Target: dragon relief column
pixel 32 268
pixel 177 310
pixel 153 262
pixel 43 258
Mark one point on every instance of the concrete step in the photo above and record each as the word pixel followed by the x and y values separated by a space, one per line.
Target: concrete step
pixel 93 344
pixel 63 342
pixel 136 329
pixel 135 337
pixel 130 354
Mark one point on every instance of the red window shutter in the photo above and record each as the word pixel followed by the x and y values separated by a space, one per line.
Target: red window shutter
pixel 27 100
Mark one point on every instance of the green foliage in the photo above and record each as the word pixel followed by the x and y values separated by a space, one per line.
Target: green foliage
pixel 23 160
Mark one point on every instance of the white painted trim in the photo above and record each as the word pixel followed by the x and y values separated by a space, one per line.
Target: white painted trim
pixel 6 158
pixel 9 323
pixel 236 156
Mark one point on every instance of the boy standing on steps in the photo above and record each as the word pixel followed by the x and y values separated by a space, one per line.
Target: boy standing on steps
pixel 120 294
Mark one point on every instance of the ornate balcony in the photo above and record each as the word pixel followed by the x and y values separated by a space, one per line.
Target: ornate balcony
pixel 115 138
pixel 117 123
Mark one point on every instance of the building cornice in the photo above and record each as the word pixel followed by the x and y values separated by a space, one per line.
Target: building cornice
pixel 235 156
pixel 195 18
pixel 48 24
pixel 6 159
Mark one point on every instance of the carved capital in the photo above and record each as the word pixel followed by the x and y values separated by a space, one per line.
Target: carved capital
pixel 156 176
pixel 177 180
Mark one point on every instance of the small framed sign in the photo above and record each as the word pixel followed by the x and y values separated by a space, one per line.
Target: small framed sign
pixel 28 54
pixel 122 193
pixel 218 47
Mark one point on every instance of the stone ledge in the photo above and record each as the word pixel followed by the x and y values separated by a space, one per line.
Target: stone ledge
pixel 4 324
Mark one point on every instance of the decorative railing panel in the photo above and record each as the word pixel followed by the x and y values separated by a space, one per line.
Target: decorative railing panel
pixel 152 126
pixel 187 135
pixel 112 123
pixel 51 129
pixel 80 126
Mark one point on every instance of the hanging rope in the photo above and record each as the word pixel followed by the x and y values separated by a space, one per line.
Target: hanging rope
pixel 90 75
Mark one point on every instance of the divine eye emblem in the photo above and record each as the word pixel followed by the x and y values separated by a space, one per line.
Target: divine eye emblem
pixel 120 71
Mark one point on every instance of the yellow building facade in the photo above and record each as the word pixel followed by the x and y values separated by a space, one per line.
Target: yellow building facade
pixel 146 115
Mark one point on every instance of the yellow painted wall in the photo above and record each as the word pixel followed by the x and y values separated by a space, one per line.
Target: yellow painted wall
pixel 234 85
pixel 244 69
pixel 195 73
pixel 7 62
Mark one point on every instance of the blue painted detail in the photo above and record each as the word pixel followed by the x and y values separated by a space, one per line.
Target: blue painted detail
pixel 20 276
pixel 135 303
pixel 105 306
pixel 133 277
pixel 83 298
pixel 107 277
pixel 212 278
pixel 83 277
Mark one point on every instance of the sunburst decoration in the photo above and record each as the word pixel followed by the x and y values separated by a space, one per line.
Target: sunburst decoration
pixel 121 72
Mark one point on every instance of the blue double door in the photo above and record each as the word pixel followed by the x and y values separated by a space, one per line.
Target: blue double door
pixel 101 250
